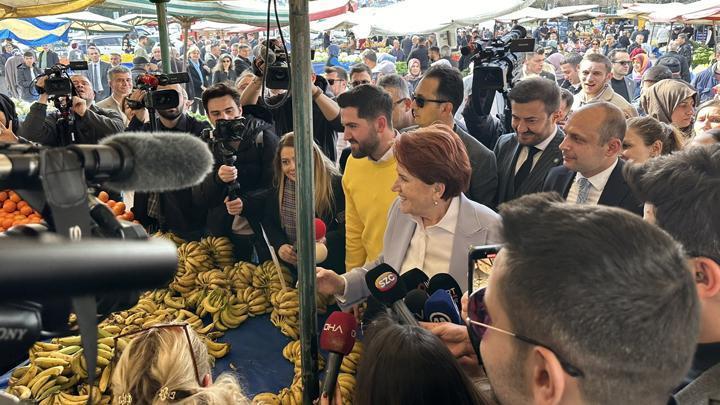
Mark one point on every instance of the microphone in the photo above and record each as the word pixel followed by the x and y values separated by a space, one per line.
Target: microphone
pixel 136 161
pixel 338 338
pixel 441 308
pixel 444 281
pixel 321 251
pixel 385 285
pixel 415 279
pixel 415 301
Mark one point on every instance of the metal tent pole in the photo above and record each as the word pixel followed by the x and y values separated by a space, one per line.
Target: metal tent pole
pixel 161 9
pixel 302 118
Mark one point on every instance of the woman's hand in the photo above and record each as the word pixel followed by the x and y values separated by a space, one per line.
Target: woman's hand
pixel 234 207
pixel 6 133
pixel 287 253
pixel 329 282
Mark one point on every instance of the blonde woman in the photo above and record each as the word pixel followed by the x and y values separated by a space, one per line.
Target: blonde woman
pixel 279 219
pixel 169 363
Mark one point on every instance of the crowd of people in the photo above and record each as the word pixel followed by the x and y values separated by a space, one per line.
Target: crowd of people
pixel 586 302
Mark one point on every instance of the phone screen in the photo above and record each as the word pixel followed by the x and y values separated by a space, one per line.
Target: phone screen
pixel 480 264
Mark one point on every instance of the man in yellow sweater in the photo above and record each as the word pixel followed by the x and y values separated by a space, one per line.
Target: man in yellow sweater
pixel 366 113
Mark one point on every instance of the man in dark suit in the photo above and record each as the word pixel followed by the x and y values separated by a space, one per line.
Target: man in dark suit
pixel 591 171
pixel 47 58
pixel 525 157
pixel 97 74
pixel 437 98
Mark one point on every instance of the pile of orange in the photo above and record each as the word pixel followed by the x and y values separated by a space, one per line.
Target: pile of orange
pixel 118 208
pixel 16 211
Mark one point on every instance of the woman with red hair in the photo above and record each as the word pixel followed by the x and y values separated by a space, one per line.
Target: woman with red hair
pixel 431 224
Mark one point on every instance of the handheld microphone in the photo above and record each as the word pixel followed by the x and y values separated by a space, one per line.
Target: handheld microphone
pixel 415 279
pixel 338 338
pixel 321 251
pixel 385 285
pixel 441 308
pixel 161 161
pixel 415 301
pixel 444 281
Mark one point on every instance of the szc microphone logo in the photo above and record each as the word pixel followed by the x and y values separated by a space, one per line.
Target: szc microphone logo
pixel 439 317
pixel 386 281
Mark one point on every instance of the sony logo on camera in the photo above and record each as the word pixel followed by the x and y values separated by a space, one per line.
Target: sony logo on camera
pixel 12 334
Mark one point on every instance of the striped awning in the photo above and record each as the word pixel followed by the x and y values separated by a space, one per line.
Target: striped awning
pixel 37 8
pixel 34 32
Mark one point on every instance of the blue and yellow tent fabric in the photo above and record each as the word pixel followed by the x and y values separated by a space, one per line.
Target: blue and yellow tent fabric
pixel 34 31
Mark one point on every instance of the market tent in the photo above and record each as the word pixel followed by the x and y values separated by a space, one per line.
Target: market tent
pixel 585 15
pixel 34 31
pixel 139 19
pixel 224 27
pixel 91 22
pixel 36 8
pixel 527 14
pixel 565 11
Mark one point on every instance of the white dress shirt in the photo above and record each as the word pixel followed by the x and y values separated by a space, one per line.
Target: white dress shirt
pixel 524 152
pixel 597 183
pixel 430 247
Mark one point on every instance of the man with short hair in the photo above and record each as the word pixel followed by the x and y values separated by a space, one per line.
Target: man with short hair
pixel 621 83
pixel 121 85
pixel 672 58
pixel 242 61
pixel 369 58
pixel 397 87
pixel 640 44
pixel 592 171
pixel 584 305
pixel 91 123
pixel 97 73
pixel 11 71
pixel 420 52
pixel 407 45
pixel 569 67
pixel 437 97
pixel 26 73
pixel 115 59
pixel 371 170
pixel 610 44
pixel 397 52
pixel 141 47
pixel 705 81
pixel 360 74
pixel 156 57
pixel 534 65
pixel 595 75
pixel 686 48
pixel 337 79
pixel 681 193
pixel 525 157
pixel 434 54
pixel 47 58
pixel 211 58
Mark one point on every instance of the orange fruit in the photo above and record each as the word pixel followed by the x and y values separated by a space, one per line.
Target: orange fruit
pixel 26 210
pixel 22 203
pixel 19 217
pixel 9 206
pixel 15 197
pixel 34 220
pixel 104 196
pixel 7 223
pixel 111 203
pixel 3 196
pixel 129 216
pixel 120 206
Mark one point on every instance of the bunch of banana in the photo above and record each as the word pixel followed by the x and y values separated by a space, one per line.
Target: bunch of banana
pixel 350 362
pixel 212 279
pixel 220 249
pixel 234 313
pixel 346 383
pixel 258 303
pixel 322 302
pixel 268 277
pixel 240 275
pixel 290 396
pixel 286 312
pixel 196 257
pixel 266 398
pixel 169 236
pixel 216 349
pixel 214 301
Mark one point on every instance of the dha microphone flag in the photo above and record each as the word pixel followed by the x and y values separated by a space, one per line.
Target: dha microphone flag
pixel 444 281
pixel 441 308
pixel 384 283
pixel 415 301
pixel 338 338
pixel 415 279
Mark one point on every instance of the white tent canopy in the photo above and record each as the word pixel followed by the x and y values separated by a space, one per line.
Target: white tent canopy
pixel 91 22
pixel 527 14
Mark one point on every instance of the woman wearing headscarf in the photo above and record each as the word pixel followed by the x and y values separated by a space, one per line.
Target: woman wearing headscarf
pixel 414 73
pixel 641 62
pixel 672 102
pixel 333 53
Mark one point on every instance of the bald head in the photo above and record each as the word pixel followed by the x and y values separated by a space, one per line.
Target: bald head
pixel 611 120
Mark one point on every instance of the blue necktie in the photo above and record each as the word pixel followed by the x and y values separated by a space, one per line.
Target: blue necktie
pixel 584 190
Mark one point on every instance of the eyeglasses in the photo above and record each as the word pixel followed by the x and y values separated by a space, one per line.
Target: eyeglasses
pixel 359 82
pixel 420 101
pixel 479 321
pixel 117 352
pixel 333 81
pixel 622 62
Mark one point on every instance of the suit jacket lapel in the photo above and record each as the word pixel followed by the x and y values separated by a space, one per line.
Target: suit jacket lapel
pixel 548 159
pixel 615 190
pixel 467 226
pixel 399 243
pixel 510 169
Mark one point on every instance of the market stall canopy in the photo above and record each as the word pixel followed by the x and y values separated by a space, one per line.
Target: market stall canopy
pixel 91 22
pixel 705 10
pixel 37 8
pixel 527 14
pixel 34 31
pixel 225 27
pixel 566 11
pixel 139 19
pixel 585 15
pixel 252 12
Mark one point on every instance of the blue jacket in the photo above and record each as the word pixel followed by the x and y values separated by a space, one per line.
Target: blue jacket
pixel 704 83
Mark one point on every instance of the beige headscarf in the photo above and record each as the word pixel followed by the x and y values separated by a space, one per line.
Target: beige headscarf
pixel 662 98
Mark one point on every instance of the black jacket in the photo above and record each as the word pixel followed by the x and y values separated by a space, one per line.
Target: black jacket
pixel 485 128
pixel 684 68
pixel 334 221
pixel 255 172
pixel 194 88
pixel 219 76
pixel 97 123
pixel 421 53
pixel 241 64
pixel 182 212
pixel 25 82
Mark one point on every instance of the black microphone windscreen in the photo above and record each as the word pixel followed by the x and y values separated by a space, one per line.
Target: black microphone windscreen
pixel 415 301
pixel 415 278
pixel 384 283
pixel 163 161
pixel 444 281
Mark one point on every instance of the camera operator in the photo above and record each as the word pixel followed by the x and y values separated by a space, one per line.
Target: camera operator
pixel 91 122
pixel 326 112
pixel 174 211
pixel 253 169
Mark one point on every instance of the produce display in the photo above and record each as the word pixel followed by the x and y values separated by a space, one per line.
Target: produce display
pixel 211 293
pixel 16 211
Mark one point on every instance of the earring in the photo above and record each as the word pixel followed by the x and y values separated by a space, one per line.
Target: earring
pixel 435 202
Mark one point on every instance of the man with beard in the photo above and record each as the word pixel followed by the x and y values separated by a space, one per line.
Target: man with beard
pixel 366 112
pixel 174 211
pixel 525 157
pixel 91 123
pixel 595 76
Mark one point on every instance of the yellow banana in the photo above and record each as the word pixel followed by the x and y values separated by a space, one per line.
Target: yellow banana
pixel 69 341
pixel 21 391
pixel 48 362
pixel 104 379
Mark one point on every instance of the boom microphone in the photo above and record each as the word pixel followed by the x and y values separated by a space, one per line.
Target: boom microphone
pixel 338 338
pixel 441 308
pixel 122 162
pixel 444 281
pixel 384 283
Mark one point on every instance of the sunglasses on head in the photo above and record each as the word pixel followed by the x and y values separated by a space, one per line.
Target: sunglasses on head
pixel 479 322
pixel 421 101
pixel 622 62
pixel 333 81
